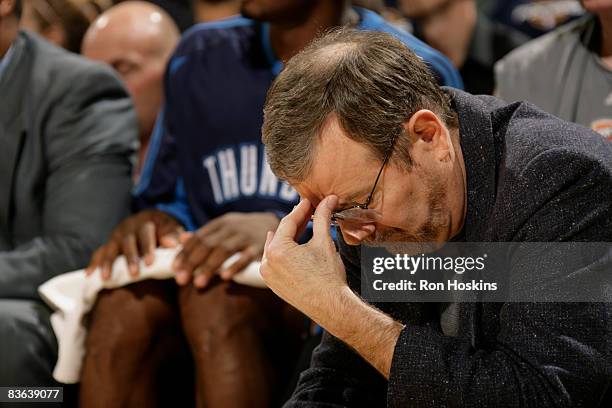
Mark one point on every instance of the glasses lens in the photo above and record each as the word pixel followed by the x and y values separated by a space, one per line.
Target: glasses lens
pixel 356 216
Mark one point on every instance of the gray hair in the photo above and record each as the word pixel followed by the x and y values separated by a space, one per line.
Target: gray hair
pixel 370 80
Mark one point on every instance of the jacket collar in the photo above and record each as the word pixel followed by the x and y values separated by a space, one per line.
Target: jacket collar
pixel 478 147
pixel 14 85
pixel 11 80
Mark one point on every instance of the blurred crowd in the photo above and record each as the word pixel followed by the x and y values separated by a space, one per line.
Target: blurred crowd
pixel 151 137
pixel 473 34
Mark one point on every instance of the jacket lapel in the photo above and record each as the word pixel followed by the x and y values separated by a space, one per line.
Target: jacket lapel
pixel 13 86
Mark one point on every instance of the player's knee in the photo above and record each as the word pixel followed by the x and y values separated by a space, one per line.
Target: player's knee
pixel 212 322
pixel 127 319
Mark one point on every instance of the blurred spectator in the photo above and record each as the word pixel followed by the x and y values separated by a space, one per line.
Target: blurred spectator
pixel 206 169
pixel 374 5
pixel 535 17
pixel 63 22
pixel 471 41
pixel 181 11
pixel 211 10
pixel 390 13
pixel 567 72
pixel 136 38
pixel 67 131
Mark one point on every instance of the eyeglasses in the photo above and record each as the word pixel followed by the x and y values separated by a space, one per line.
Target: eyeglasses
pixel 360 213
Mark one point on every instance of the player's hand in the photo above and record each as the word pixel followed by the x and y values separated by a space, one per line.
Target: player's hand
pixel 136 237
pixel 205 250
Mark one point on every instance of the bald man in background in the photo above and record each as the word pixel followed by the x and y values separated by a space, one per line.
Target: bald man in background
pixel 136 38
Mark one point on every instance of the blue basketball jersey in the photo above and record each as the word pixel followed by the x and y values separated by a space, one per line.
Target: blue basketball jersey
pixel 205 156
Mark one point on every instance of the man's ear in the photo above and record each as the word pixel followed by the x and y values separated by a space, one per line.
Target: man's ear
pixel 429 135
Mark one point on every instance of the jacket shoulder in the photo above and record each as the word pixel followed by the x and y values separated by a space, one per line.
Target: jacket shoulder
pixel 543 50
pixel 554 178
pixel 58 72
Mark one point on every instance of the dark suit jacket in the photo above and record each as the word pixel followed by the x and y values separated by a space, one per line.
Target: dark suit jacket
pixel 530 177
pixel 67 134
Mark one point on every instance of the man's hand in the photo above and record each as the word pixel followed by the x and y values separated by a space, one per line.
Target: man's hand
pixel 312 278
pixel 306 276
pixel 135 237
pixel 205 251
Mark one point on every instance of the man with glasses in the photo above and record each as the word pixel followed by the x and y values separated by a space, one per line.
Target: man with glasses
pixel 358 108
pixel 206 173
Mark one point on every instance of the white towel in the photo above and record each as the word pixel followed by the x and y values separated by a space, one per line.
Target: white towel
pixel 72 295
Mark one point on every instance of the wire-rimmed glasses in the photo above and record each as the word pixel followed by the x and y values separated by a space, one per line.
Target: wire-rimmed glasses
pixel 360 214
